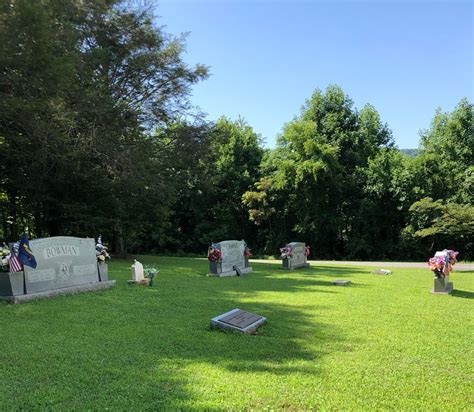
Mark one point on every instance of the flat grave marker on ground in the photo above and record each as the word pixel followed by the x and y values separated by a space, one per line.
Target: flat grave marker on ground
pixel 381 272
pixel 238 320
pixel 341 282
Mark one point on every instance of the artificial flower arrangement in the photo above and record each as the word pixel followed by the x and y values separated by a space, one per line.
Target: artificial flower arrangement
pixel 286 252
pixel 443 265
pixel 150 272
pixel 214 254
pixel 247 252
pixel 306 250
pixel 5 257
pixel 101 251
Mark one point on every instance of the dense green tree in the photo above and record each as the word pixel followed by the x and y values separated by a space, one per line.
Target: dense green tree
pixel 82 84
pixel 444 171
pixel 317 170
pixel 222 164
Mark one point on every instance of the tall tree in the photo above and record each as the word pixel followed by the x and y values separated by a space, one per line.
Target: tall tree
pixel 83 83
pixel 316 170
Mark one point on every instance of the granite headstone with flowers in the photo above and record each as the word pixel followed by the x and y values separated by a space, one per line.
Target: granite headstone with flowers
pixel 63 265
pixel 441 265
pixel 229 258
pixel 294 255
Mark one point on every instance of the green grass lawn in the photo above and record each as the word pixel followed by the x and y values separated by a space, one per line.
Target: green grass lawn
pixel 384 342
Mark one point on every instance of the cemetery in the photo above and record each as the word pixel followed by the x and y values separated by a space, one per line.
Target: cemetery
pixel 236 206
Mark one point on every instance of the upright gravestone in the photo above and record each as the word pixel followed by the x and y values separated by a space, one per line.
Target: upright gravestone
pixel 230 260
pixel 293 256
pixel 64 265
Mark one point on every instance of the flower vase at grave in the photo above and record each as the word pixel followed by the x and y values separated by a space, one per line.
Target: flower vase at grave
pixel 103 271
pixel 12 283
pixel 215 268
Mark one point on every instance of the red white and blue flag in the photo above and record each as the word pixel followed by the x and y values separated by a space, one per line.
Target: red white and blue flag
pixel 15 264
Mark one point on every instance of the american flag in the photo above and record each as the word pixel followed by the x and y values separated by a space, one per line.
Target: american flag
pixel 15 264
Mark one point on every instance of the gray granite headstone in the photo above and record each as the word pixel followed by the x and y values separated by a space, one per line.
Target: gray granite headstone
pixel 232 258
pixel 61 262
pixel 298 258
pixel 238 320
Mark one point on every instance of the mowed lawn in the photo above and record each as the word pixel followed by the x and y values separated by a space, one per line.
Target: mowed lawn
pixel 384 342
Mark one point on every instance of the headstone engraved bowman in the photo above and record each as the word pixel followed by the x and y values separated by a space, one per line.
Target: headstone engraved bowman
pixel 64 265
pixel 238 320
pixel 293 256
pixel 231 259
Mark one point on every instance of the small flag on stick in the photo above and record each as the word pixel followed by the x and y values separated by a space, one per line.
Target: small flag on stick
pixel 15 264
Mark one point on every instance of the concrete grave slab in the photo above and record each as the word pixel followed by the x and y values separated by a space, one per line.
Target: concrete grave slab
pixel 341 282
pixel 381 272
pixel 238 320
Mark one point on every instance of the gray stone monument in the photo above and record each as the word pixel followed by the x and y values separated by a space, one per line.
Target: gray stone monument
pixel 238 320
pixel 293 256
pixel 64 265
pixel 233 260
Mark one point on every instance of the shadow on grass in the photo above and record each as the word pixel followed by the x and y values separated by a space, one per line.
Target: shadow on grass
pixel 156 342
pixel 462 294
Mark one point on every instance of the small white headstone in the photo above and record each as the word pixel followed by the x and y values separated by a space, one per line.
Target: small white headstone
pixel 137 271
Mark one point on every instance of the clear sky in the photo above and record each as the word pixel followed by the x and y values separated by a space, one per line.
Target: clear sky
pixel 266 57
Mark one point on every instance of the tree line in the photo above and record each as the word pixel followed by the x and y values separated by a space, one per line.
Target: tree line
pixel 98 135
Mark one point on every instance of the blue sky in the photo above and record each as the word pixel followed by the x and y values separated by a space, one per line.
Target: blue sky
pixel 266 57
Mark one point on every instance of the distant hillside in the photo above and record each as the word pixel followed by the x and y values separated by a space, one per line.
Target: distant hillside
pixel 410 152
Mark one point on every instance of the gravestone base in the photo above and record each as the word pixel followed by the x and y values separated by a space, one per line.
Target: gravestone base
pixel 341 282
pixel 231 272
pixel 442 286
pixel 58 292
pixel 287 265
pixel 143 282
pixel 238 320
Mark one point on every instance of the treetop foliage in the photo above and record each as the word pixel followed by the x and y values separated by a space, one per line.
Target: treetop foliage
pixel 98 135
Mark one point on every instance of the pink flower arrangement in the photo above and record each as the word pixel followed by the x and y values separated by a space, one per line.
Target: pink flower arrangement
pixel 214 254
pixel 306 250
pixel 286 252
pixel 443 265
pixel 247 252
